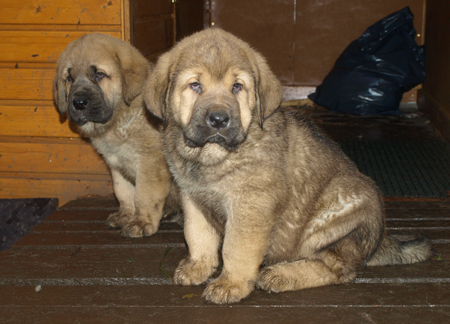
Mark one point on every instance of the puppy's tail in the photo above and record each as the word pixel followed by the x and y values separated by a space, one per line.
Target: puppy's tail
pixel 401 249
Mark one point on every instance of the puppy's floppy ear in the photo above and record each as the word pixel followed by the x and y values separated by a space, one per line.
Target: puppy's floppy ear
pixel 59 92
pixel 156 88
pixel 269 92
pixel 135 69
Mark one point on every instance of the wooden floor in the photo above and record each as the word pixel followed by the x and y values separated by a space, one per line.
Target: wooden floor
pixel 73 269
pixel 88 273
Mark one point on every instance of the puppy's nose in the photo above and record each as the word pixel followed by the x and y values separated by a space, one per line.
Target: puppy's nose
pixel 218 119
pixel 80 102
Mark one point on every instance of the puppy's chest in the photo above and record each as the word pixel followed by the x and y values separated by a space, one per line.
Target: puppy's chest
pixel 210 193
pixel 118 156
pixel 214 205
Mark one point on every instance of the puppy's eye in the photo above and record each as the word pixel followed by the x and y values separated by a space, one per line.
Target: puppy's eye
pixel 197 87
pixel 99 76
pixel 69 79
pixel 237 87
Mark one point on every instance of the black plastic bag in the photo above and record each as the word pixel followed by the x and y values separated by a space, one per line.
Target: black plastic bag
pixel 374 71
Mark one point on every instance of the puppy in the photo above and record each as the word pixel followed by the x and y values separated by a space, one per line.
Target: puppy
pixel 98 82
pixel 285 206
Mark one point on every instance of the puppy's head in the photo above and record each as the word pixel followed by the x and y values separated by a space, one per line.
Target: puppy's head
pixel 212 86
pixel 95 75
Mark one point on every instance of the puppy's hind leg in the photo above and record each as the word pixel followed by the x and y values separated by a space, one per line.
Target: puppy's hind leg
pixel 336 241
pixel 124 192
pixel 333 266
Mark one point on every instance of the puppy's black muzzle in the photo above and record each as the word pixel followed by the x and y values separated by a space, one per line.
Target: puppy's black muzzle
pixel 212 125
pixel 87 104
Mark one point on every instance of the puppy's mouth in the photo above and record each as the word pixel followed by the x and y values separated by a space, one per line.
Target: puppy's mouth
pixel 82 117
pixel 217 138
pixel 81 120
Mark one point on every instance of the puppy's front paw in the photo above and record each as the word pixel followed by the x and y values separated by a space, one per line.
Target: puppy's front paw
pixel 118 219
pixel 139 228
pixel 193 272
pixel 225 291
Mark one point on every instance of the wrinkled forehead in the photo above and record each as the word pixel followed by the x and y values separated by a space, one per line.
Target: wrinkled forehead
pixel 84 59
pixel 210 77
pixel 217 62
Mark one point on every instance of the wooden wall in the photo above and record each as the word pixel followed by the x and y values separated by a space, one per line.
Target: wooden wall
pixel 302 39
pixel 152 26
pixel 434 99
pixel 40 154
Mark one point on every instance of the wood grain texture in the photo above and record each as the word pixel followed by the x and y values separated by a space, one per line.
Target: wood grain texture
pixel 152 26
pixel 438 113
pixel 33 118
pixel 126 21
pixel 26 83
pixel 45 185
pixel 220 314
pixel 99 12
pixel 376 296
pixel 89 273
pixel 56 157
pixel 38 46
pixel 34 161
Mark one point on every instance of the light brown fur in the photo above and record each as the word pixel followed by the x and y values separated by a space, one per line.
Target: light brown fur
pixel 270 189
pixel 117 124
